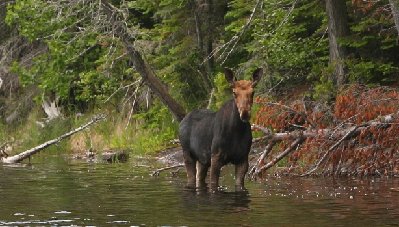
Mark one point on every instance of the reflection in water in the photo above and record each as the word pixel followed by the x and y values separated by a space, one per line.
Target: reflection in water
pixel 221 200
pixel 59 192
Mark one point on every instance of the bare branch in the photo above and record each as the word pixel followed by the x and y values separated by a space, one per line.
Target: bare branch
pixel 158 171
pixel 261 159
pixel 286 152
pixel 231 44
pixel 121 88
pixel 346 136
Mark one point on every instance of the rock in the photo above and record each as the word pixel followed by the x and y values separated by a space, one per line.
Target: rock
pixel 112 156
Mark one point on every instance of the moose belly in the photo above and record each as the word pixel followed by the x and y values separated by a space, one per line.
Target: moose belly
pixel 234 151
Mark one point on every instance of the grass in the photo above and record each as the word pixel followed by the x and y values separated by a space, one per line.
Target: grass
pixel 111 134
pixel 29 133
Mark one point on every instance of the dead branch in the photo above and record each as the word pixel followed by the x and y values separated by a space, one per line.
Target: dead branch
pixel 26 154
pixel 227 48
pixel 261 159
pixel 333 147
pixel 292 110
pixel 341 134
pixel 121 88
pixel 210 98
pixel 158 171
pixel 287 151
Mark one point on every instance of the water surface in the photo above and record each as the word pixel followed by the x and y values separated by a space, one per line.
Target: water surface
pixel 55 190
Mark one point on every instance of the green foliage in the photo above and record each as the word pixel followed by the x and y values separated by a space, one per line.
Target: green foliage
pixel 31 134
pixel 176 55
pixel 373 45
pixel 84 65
pixel 222 91
pixel 324 90
pixel 23 12
pixel 77 66
pixel 3 133
pixel 159 128
pixel 287 41
pixel 370 71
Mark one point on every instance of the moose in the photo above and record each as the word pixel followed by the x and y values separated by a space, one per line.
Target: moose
pixel 214 139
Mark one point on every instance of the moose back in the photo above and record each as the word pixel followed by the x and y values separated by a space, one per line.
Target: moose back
pixel 214 139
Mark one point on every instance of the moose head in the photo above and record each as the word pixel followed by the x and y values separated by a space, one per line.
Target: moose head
pixel 243 91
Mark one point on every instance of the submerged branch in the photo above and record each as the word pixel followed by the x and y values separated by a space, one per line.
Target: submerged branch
pixel 158 171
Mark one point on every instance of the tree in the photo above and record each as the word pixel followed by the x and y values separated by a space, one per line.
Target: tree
pixel 337 29
pixel 203 18
pixel 395 12
pixel 76 68
pixel 142 67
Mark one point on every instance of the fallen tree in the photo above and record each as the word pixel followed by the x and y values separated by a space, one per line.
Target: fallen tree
pixel 26 154
pixel 358 137
pixel 298 137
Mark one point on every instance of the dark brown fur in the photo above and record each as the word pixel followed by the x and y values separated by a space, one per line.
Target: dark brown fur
pixel 213 140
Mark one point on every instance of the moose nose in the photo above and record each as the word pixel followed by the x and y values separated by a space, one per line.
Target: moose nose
pixel 245 115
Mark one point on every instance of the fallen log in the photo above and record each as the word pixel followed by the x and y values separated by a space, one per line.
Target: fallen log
pixel 26 154
pixel 337 134
pixel 158 171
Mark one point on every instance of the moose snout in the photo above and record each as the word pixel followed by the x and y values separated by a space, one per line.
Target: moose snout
pixel 245 115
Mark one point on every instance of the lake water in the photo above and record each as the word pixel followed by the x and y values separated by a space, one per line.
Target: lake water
pixel 58 191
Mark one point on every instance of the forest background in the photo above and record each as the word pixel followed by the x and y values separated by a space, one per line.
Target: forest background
pixel 145 63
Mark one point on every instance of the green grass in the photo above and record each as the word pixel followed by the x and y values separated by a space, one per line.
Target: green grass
pixel 139 136
pixel 29 133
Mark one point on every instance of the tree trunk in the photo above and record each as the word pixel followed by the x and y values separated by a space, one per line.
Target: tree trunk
pixel 4 29
pixel 209 41
pixel 203 27
pixel 155 84
pixel 337 29
pixel 140 64
pixel 395 13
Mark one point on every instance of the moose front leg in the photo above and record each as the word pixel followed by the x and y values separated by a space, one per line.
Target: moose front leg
pixel 241 170
pixel 202 170
pixel 216 165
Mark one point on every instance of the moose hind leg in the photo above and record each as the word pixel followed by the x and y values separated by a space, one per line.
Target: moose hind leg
pixel 202 170
pixel 189 163
pixel 241 170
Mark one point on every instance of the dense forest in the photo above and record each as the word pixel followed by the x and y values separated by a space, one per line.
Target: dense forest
pixel 330 82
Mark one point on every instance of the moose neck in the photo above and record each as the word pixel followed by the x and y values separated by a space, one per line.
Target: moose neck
pixel 233 116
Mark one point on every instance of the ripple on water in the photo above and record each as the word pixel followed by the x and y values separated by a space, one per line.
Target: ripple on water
pixel 60 193
pixel 62 212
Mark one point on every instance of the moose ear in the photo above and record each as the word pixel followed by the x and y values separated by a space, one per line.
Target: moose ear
pixel 256 76
pixel 229 75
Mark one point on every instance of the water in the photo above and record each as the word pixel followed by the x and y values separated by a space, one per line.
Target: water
pixel 59 191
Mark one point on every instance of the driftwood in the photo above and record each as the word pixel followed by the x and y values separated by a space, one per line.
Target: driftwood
pixel 26 154
pixel 340 135
pixel 158 171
